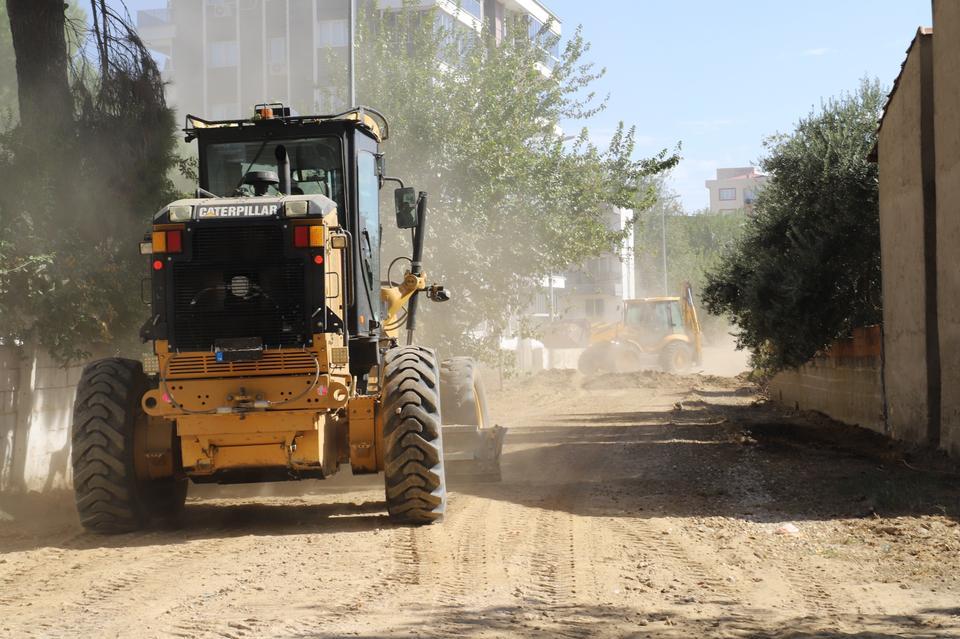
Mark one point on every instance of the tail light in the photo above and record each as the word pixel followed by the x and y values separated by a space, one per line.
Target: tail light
pixel 167 241
pixel 308 236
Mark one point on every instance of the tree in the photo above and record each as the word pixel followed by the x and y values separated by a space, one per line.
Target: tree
pixel 807 269
pixel 78 195
pixel 511 199
pixel 37 29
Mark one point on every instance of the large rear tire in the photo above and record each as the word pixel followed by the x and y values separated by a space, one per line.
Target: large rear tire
pixel 595 359
pixel 676 357
pixel 106 416
pixel 413 446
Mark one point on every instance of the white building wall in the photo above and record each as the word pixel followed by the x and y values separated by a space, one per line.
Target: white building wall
pixel 742 183
pixel 35 418
pixel 220 86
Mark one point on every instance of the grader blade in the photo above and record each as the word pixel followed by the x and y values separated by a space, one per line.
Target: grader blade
pixel 473 454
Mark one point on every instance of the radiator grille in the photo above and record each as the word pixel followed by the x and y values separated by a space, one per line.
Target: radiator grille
pixel 272 363
pixel 238 284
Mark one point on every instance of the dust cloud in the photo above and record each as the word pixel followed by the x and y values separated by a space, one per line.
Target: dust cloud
pixel 721 357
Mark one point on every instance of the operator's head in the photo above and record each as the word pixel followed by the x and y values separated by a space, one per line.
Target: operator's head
pixel 261 181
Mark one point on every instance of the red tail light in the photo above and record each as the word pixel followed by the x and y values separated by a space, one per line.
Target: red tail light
pixel 174 242
pixel 301 236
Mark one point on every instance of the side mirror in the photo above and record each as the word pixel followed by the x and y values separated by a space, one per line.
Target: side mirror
pixel 406 201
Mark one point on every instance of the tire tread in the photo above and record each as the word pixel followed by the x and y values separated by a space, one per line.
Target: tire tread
pixel 415 483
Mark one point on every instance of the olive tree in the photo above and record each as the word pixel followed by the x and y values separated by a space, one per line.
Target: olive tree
pixel 807 269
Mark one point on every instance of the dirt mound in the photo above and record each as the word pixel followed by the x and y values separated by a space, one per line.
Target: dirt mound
pixel 653 379
pixel 551 379
pixel 639 379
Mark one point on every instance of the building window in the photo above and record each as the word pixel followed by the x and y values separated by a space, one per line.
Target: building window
pixel 223 54
pixel 456 36
pixel 472 7
pixel 221 8
pixel 278 56
pixel 541 303
pixel 224 111
pixel 333 33
pixel 535 27
pixel 749 196
pixel 547 40
pixel 728 195
pixel 594 307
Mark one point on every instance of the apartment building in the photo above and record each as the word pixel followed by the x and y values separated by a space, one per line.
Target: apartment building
pixel 596 290
pixel 223 56
pixel 735 189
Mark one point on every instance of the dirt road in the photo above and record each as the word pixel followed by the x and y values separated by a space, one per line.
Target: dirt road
pixel 633 506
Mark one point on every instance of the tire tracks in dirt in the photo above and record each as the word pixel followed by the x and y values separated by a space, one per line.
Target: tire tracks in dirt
pixel 463 536
pixel 682 581
pixel 820 597
pixel 403 571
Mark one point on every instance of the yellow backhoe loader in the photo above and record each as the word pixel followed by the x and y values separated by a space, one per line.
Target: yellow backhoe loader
pixel 653 331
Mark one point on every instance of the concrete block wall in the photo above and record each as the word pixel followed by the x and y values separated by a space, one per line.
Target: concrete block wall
pixel 845 384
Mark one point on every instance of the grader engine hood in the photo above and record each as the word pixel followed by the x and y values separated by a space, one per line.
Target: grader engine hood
pixel 292 206
pixel 227 269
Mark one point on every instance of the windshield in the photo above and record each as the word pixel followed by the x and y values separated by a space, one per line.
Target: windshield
pixel 316 166
pixel 656 316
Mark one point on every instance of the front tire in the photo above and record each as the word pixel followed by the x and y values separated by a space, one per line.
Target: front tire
pixel 106 416
pixel 415 481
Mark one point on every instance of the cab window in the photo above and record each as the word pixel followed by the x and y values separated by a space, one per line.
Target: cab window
pixel 316 166
pixel 368 202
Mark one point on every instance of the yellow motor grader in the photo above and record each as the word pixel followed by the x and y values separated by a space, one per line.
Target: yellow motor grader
pixel 274 347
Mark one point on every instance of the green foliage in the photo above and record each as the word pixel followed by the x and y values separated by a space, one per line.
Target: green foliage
pixel 807 270
pixel 75 205
pixel 695 243
pixel 511 199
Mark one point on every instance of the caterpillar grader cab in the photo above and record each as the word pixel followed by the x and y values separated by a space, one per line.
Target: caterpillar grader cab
pixel 274 351
pixel 659 332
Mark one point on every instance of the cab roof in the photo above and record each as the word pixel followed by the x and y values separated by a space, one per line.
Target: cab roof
pixel 649 300
pixel 365 118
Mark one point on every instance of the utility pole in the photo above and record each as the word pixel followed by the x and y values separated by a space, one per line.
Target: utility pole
pixel 663 250
pixel 663 239
pixel 352 70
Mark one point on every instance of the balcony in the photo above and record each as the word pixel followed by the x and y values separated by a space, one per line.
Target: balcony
pixel 535 9
pixel 156 29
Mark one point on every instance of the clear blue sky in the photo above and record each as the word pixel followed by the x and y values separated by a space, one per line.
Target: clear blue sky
pixel 719 76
